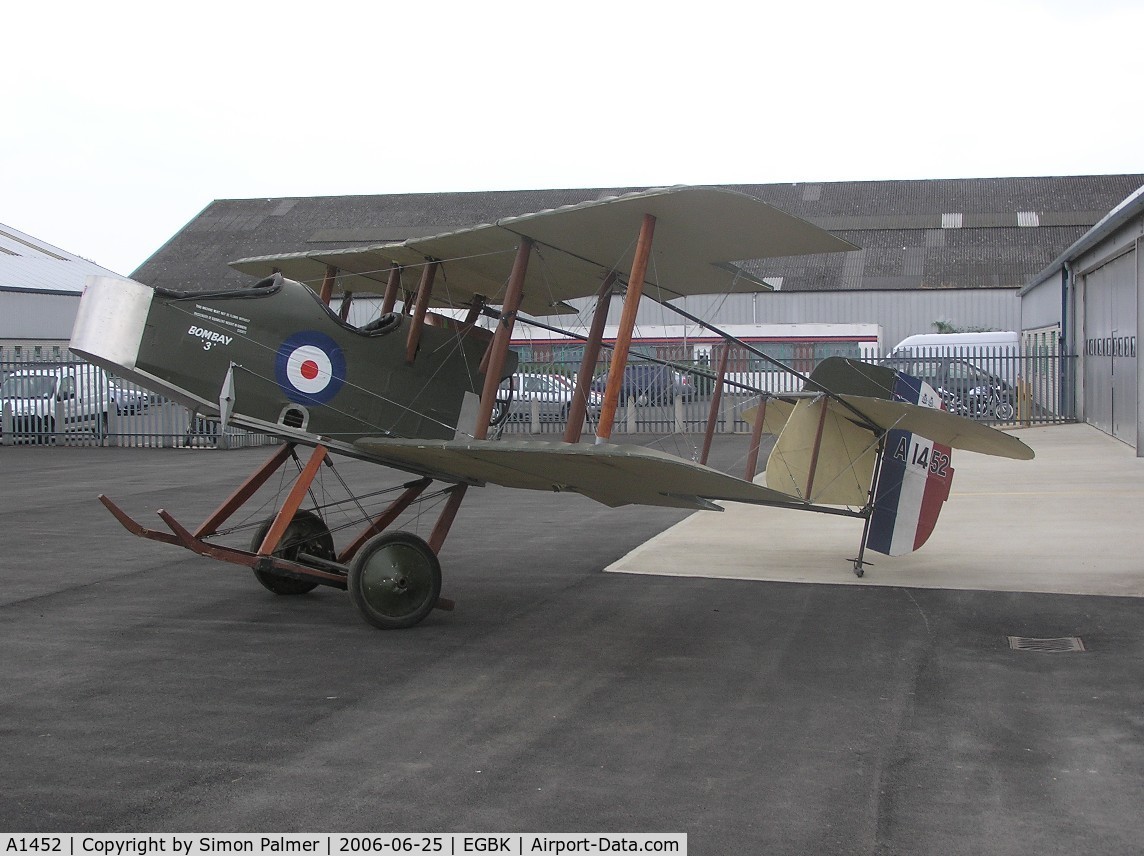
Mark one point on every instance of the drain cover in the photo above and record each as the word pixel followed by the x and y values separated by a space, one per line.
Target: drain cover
pixel 1059 643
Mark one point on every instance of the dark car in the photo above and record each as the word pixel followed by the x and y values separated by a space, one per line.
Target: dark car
pixel 650 383
pixel 966 389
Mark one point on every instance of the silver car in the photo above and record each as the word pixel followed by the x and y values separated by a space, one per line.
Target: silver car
pixel 550 394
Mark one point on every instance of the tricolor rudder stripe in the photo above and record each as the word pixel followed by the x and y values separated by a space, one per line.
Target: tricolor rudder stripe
pixel 913 481
pixel 310 367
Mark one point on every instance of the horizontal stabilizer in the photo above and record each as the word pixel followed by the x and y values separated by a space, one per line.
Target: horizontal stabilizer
pixel 944 427
pixel 611 474
pixel 947 428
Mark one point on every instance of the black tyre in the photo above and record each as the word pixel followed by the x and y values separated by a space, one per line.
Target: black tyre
pixel 395 580
pixel 1004 410
pixel 307 533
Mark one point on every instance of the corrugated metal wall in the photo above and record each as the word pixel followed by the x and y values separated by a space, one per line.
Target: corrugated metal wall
pixel 1041 306
pixel 900 313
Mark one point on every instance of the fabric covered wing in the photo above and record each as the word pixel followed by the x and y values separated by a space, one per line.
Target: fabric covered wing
pixel 834 467
pixel 946 428
pixel 776 412
pixel 943 427
pixel 699 232
pixel 611 474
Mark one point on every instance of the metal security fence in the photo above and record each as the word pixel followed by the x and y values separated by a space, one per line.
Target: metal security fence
pixel 70 402
pixel 988 385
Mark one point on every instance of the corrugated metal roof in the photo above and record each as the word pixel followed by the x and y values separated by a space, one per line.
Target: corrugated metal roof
pixel 1130 207
pixel 898 223
pixel 29 264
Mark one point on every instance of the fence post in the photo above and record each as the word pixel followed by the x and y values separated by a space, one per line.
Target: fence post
pixel 631 414
pixel 679 414
pixel 729 404
pixel 112 437
pixel 8 426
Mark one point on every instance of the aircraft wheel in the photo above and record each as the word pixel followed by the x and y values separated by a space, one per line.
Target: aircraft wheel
pixel 1005 410
pixel 395 580
pixel 307 533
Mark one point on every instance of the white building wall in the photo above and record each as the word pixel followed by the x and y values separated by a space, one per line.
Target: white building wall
pixel 899 313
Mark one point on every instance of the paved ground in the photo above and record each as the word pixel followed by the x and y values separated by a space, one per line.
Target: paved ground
pixel 1067 522
pixel 142 688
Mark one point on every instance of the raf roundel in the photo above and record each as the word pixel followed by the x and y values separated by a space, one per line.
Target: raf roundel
pixel 310 367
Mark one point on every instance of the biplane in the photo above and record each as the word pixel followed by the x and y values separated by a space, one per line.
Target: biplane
pixel 416 388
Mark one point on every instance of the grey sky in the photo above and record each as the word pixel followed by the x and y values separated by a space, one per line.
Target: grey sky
pixel 123 120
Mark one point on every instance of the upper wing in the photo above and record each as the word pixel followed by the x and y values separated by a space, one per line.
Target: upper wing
pixel 699 232
pixel 612 474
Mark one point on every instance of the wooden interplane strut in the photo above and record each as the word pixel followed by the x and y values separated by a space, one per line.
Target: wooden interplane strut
pixel 579 406
pixel 493 363
pixel 627 326
pixel 716 402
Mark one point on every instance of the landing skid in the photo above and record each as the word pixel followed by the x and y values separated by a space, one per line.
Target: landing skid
pixel 859 566
pixel 393 577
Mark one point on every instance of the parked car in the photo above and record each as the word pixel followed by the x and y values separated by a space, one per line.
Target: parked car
pixel 128 398
pixel 650 383
pixel 551 393
pixel 48 400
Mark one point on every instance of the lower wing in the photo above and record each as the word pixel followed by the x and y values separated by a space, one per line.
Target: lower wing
pixel 611 474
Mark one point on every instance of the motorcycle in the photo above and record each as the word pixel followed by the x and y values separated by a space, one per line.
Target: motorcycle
pixel 991 401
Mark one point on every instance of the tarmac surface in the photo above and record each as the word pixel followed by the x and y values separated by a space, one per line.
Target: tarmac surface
pixel 143 688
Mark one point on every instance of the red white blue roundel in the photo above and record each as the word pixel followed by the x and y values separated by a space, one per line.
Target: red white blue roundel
pixel 310 367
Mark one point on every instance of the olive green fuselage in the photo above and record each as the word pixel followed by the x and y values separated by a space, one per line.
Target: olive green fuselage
pixel 298 366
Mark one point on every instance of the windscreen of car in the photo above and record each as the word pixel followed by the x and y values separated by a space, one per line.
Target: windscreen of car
pixel 964 371
pixel 28 386
pixel 926 370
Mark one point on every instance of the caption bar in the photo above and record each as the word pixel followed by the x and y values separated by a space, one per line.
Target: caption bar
pixel 340 844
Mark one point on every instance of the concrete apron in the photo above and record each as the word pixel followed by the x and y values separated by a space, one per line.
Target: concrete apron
pixel 1071 521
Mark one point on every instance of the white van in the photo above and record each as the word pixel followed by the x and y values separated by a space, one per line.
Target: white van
pixel 42 402
pixel 996 352
pixel 1001 342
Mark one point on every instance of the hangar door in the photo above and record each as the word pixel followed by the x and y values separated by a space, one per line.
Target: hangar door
pixel 1110 348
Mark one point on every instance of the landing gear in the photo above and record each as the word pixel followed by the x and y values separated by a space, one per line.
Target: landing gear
pixel 307 534
pixel 395 580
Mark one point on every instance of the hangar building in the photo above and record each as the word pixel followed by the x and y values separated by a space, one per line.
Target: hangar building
pixel 1090 296
pixel 40 287
pixel 953 251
